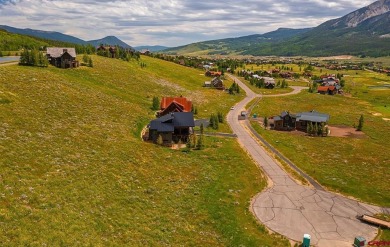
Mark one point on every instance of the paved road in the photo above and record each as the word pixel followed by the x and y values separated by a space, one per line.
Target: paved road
pixel 292 209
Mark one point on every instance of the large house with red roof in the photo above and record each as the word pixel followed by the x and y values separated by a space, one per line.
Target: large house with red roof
pixel 174 104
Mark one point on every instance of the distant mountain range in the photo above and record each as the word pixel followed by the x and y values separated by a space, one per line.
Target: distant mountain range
pixel 109 40
pixel 152 48
pixel 237 45
pixel 362 32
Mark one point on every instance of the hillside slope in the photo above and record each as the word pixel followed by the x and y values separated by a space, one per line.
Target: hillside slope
pixel 237 45
pixel 44 34
pixel 13 42
pixel 74 171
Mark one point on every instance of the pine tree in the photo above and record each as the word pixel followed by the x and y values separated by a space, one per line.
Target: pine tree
pixel 211 121
pixel 310 128
pixel 216 122
pixel 189 144
pixel 283 83
pixel 265 122
pixel 90 62
pixel 220 117
pixel 156 103
pixel 320 129
pixel 85 59
pixel 315 129
pixel 199 144
pixel 361 122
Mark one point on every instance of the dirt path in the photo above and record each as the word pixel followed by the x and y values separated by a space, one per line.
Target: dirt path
pixel 292 209
pixel 8 64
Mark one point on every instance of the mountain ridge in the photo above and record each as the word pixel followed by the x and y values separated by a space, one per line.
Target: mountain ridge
pixel 57 36
pixel 365 31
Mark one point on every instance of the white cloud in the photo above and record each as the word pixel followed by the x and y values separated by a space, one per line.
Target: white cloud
pixel 169 22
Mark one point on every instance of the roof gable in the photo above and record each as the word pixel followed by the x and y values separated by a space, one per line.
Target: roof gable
pixel 169 122
pixel 59 51
pixel 313 116
pixel 186 104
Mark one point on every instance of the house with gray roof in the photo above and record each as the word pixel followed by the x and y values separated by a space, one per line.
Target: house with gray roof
pixel 62 57
pixel 299 121
pixel 176 126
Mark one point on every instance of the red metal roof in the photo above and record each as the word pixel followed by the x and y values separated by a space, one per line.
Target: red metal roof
pixel 322 89
pixel 166 101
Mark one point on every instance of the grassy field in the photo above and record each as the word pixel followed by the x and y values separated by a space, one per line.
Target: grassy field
pixel 354 166
pixel 74 171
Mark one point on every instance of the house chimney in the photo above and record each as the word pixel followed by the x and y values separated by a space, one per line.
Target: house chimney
pixel 65 50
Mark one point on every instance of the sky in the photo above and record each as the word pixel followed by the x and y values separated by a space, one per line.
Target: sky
pixel 170 22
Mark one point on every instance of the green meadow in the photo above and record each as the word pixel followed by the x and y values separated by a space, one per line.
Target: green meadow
pixel 357 167
pixel 74 171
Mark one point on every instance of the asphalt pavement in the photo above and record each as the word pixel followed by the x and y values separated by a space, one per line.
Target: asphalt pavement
pixel 293 210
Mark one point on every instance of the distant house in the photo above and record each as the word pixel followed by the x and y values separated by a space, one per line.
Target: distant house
pixel 331 90
pixel 174 104
pixel 207 84
pixel 213 73
pixel 269 82
pixel 216 82
pixel 173 127
pixel 299 121
pixel 110 49
pixel 62 57
pixel 145 52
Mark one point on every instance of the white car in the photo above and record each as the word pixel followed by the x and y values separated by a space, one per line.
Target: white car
pixel 232 108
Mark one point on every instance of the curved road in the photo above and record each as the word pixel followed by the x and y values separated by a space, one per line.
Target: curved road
pixel 292 209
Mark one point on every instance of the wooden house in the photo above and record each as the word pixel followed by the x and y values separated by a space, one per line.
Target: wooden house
pixel 110 49
pixel 217 83
pixel 213 73
pixel 331 90
pixel 299 121
pixel 174 104
pixel 304 118
pixel 173 127
pixel 62 57
pixel 285 121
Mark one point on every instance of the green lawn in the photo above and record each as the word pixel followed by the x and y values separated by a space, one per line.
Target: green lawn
pixel 356 167
pixel 74 171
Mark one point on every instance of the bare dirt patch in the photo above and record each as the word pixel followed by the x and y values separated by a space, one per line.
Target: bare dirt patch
pixel 345 131
pixel 386 119
pixel 342 57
